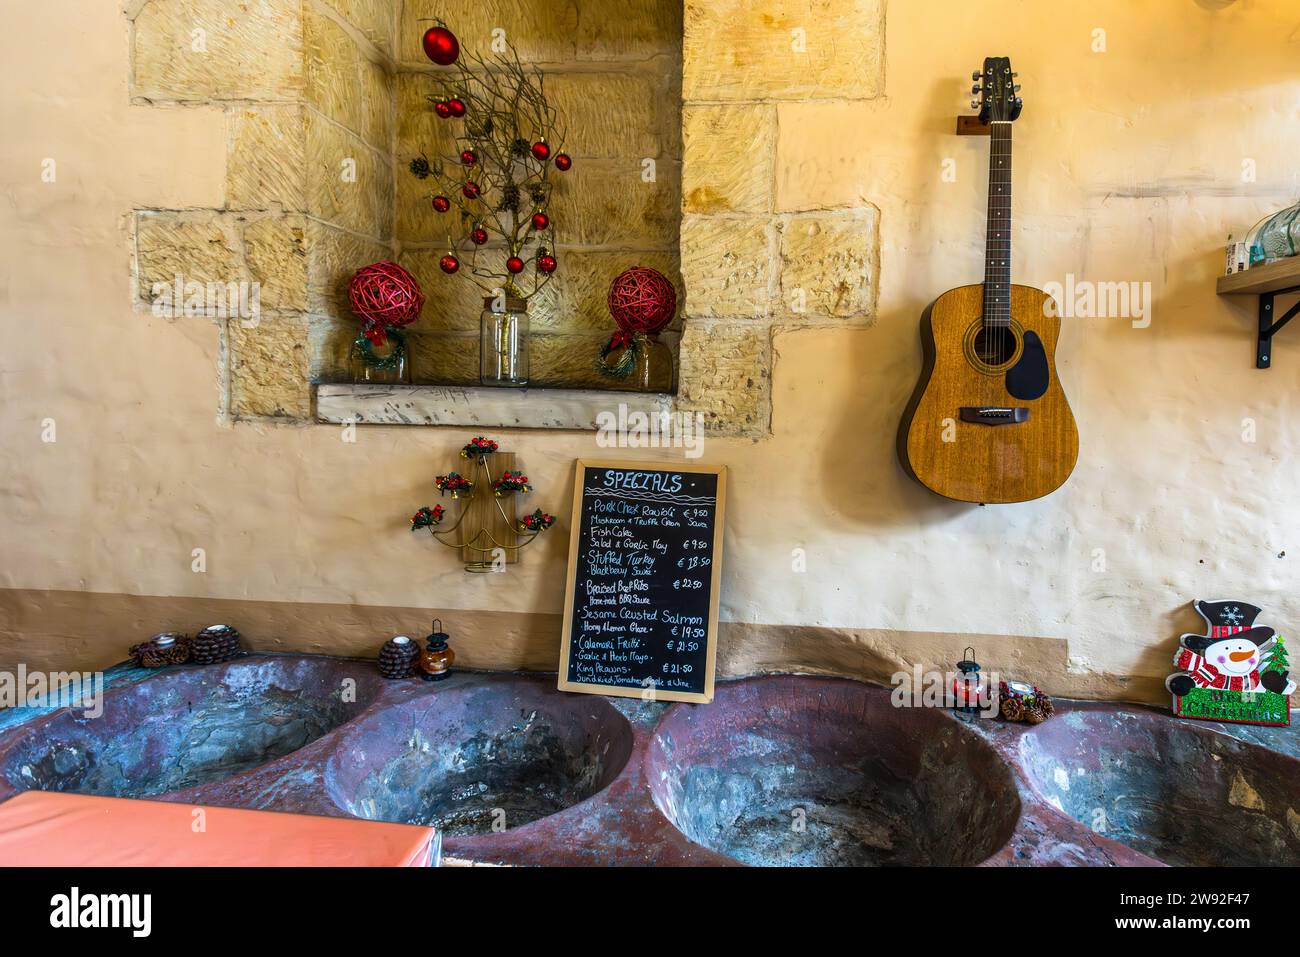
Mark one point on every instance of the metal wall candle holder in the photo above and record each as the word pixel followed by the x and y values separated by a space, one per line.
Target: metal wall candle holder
pixel 486 529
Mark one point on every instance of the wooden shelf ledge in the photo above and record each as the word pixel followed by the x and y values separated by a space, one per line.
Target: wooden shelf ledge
pixel 480 406
pixel 1270 277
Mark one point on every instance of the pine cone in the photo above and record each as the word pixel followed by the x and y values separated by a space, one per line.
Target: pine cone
pixel 510 198
pixel 1035 716
pixel 1012 709
pixel 1045 705
pixel 155 653
pixel 398 659
pixel 420 167
pixel 215 644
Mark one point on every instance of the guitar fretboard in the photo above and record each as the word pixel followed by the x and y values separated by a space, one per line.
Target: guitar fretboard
pixel 997 258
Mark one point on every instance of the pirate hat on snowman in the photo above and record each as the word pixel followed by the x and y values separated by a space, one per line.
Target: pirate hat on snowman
pixel 1227 614
pixel 1261 636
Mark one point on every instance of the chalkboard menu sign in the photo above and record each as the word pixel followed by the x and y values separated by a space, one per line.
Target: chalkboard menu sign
pixel 645 561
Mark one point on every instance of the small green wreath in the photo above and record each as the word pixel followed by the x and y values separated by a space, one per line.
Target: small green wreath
pixel 366 350
pixel 618 356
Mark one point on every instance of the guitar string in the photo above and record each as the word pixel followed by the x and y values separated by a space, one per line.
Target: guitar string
pixel 997 273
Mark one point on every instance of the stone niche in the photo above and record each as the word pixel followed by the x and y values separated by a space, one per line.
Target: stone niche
pixel 324 105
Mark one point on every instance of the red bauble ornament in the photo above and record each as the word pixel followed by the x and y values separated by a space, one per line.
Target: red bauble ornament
pixel 541 151
pixel 540 221
pixel 468 157
pixel 442 108
pixel 515 264
pixel 642 300
pixel 449 263
pixel 546 262
pixel 441 203
pixel 457 107
pixel 471 190
pixel 384 295
pixel 441 46
pixel 563 161
pixel 478 236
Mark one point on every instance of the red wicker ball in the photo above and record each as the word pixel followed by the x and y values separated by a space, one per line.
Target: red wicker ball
pixel 642 299
pixel 384 294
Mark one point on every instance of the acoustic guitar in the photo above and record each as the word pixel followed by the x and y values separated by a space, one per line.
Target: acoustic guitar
pixel 989 421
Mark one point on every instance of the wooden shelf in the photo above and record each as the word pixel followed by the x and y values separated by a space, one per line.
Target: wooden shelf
pixel 482 407
pixel 1268 282
pixel 1271 277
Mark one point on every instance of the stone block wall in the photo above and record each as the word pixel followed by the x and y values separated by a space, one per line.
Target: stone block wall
pixel 749 265
pixel 306 87
pixel 613 72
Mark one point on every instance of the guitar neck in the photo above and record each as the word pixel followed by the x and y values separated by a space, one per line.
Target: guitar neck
pixel 997 254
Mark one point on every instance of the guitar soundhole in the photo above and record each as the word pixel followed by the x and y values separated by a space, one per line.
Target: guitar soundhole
pixel 995 345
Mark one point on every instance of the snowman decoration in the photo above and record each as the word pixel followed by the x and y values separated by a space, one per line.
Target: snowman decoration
pixel 1236 657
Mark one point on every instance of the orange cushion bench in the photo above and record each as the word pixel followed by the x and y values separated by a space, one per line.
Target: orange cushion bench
pixel 52 828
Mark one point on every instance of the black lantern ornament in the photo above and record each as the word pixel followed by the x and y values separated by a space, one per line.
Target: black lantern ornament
pixel 966 687
pixel 436 659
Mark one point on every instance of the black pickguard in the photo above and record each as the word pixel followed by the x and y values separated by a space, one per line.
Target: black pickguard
pixel 1028 378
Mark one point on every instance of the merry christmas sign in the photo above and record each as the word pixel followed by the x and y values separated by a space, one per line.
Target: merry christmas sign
pixel 1237 671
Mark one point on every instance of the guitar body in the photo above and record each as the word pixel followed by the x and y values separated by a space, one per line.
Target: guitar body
pixel 989 421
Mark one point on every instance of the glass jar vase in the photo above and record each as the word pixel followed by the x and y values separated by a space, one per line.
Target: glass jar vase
pixel 654 369
pixel 384 365
pixel 503 341
pixel 1275 236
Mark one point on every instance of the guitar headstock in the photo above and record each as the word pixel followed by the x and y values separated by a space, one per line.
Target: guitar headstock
pixel 997 91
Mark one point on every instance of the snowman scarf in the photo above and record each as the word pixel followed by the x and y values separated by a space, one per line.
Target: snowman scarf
pixel 1207 676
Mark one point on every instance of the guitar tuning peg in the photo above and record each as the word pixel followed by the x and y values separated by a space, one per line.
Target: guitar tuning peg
pixel 975 75
pixel 974 104
pixel 1016 88
pixel 1015 74
pixel 975 88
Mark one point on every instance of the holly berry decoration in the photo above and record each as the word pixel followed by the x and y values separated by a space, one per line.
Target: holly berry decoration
pixel 449 263
pixel 541 152
pixel 452 482
pixel 511 482
pixel 457 107
pixel 471 190
pixel 478 447
pixel 562 161
pixel 468 157
pixel 443 109
pixel 540 221
pixel 515 265
pixel 478 235
pixel 441 203
pixel 539 521
pixel 441 46
pixel 426 517
pixel 546 262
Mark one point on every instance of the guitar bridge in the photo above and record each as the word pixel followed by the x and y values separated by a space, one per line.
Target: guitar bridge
pixel 993 415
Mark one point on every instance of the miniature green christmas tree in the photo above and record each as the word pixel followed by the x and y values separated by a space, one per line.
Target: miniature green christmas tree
pixel 1279 660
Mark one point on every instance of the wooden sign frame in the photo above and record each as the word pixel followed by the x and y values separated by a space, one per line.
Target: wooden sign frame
pixel 715 581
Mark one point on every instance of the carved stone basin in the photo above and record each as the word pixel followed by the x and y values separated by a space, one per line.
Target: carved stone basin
pixel 189 726
pixel 1173 789
pixel 494 755
pixel 809 771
